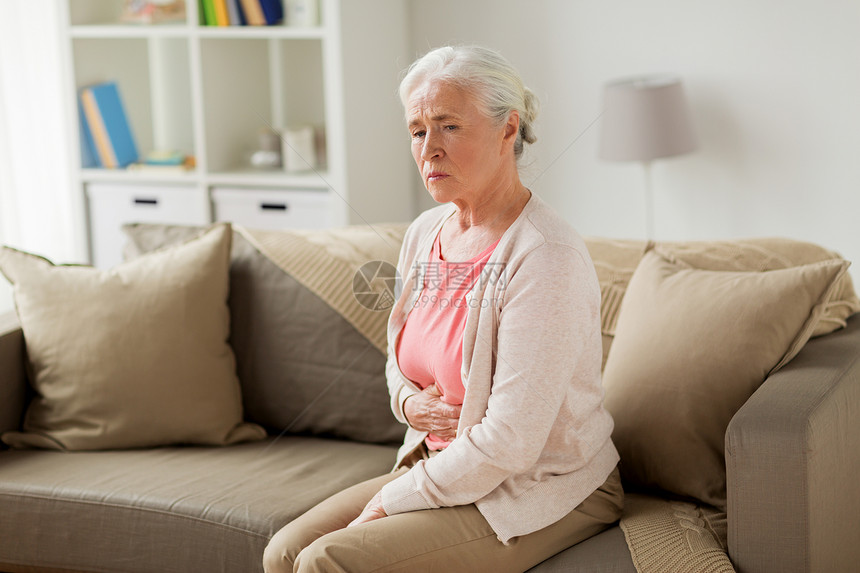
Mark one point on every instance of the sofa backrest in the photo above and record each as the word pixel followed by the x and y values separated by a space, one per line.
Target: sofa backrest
pixel 13 382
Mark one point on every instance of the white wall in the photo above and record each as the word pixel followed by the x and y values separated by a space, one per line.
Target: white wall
pixel 774 88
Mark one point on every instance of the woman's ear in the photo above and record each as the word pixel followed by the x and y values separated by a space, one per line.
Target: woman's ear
pixel 512 128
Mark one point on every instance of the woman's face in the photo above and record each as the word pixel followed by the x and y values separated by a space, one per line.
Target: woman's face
pixel 460 153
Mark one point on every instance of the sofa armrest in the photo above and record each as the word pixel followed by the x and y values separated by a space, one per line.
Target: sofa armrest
pixel 13 382
pixel 792 461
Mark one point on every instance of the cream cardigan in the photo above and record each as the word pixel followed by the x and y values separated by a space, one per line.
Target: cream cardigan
pixel 533 439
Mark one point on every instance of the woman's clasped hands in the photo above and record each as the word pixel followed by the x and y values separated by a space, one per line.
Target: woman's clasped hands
pixel 425 411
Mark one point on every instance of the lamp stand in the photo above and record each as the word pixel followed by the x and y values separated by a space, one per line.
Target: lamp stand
pixel 649 201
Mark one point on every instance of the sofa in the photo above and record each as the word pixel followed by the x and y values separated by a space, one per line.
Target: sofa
pixel 313 394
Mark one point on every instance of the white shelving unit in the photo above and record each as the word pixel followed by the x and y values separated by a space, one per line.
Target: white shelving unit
pixel 207 91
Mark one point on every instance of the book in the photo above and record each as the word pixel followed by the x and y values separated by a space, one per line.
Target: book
pixel 253 13
pixel 108 124
pixel 165 158
pixel 208 11
pixel 97 131
pixel 89 157
pixel 235 12
pixel 222 18
pixel 273 11
pixel 165 162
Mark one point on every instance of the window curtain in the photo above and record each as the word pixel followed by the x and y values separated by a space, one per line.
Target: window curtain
pixel 37 199
pixel 37 211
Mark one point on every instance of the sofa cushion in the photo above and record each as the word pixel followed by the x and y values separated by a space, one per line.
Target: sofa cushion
pixel 302 366
pixel 175 509
pixel 616 259
pixel 132 357
pixel 690 347
pixel 606 552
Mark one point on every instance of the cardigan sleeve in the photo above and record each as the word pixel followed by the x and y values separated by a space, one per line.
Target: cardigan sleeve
pixel 399 388
pixel 549 305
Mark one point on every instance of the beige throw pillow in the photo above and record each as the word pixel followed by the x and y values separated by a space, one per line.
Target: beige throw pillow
pixel 690 347
pixel 132 357
pixel 616 259
pixel 303 365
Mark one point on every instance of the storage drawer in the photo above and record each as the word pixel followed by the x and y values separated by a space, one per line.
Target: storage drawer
pixel 272 209
pixel 112 205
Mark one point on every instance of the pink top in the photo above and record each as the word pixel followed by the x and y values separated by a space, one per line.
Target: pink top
pixel 430 347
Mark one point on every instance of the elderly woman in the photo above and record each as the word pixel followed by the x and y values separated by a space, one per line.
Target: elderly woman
pixel 494 354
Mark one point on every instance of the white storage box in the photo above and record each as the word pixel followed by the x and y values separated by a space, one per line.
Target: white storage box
pixel 273 209
pixel 111 205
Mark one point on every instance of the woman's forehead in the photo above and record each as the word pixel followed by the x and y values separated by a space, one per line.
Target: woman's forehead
pixel 438 101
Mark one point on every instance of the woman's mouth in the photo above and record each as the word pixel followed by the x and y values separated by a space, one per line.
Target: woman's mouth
pixel 436 176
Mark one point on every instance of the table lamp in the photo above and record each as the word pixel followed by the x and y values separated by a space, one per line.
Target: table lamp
pixel 645 118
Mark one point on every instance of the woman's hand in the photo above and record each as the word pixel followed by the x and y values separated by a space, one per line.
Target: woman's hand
pixel 426 412
pixel 373 510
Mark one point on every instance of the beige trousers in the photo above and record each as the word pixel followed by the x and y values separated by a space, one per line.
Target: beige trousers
pixel 448 539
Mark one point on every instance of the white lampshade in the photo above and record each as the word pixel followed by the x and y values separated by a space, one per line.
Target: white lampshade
pixel 645 118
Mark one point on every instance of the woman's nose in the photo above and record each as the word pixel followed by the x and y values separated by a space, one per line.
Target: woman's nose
pixel 431 148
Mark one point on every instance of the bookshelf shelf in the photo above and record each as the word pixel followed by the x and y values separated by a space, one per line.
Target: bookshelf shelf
pixel 208 91
pixel 180 30
pixel 258 32
pixel 91 175
pixel 271 179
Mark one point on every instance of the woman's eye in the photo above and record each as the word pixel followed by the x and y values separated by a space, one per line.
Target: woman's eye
pixel 450 127
pixel 417 134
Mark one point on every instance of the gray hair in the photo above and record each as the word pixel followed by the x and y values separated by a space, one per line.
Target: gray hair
pixel 485 73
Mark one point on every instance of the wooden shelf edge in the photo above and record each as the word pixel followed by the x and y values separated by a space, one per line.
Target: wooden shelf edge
pixel 126 176
pixel 119 31
pixel 269 179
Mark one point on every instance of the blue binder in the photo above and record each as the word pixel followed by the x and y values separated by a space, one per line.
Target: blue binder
pixel 115 120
